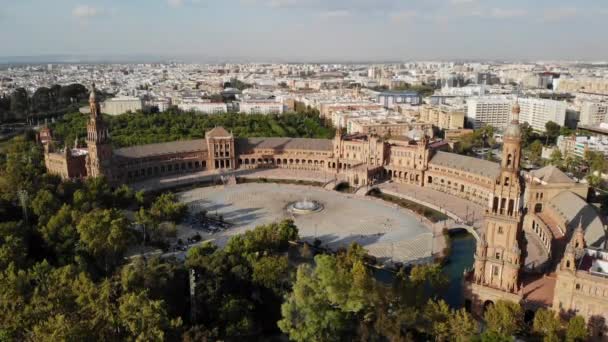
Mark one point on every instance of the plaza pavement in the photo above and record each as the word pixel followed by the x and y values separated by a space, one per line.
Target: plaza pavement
pixel 458 209
pixel 387 231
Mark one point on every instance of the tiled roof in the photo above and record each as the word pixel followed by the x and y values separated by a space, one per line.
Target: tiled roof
pixel 551 174
pixel 218 132
pixel 151 150
pixel 573 208
pixel 464 163
pixel 247 144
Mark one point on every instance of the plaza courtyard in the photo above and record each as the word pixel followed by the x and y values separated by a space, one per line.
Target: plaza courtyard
pixel 387 231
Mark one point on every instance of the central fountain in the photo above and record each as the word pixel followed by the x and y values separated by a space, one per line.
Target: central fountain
pixel 304 207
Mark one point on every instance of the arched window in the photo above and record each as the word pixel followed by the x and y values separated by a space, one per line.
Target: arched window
pixel 509 160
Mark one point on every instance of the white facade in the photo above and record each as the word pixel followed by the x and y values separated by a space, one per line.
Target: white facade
pixel 204 107
pixel 491 111
pixel 593 144
pixel 261 107
pixel 121 105
pixel 593 113
pixel 537 112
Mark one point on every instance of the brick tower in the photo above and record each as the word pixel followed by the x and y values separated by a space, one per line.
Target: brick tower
pixel 498 257
pixel 98 141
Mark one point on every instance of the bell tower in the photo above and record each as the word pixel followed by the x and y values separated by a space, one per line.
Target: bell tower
pixel 498 257
pixel 98 141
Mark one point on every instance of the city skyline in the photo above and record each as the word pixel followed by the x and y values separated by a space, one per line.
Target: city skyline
pixel 304 30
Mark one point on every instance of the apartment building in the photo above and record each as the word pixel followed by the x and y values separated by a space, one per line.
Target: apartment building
pixel 122 104
pixel 537 112
pixel 443 117
pixel 261 107
pixel 593 113
pixel 492 111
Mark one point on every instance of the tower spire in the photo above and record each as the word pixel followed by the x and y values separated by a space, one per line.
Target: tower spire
pixel 516 110
pixel 94 103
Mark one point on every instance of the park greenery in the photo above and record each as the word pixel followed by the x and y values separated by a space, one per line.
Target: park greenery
pixel 44 102
pixel 66 274
pixel 138 128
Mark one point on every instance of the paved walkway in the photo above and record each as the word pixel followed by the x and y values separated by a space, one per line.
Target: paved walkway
pixel 172 181
pixel 462 209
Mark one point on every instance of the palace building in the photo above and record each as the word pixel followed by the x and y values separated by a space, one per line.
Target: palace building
pixel 540 215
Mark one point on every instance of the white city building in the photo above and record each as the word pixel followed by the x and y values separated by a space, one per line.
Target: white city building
pixel 204 107
pixel 493 111
pixel 577 146
pixel 261 107
pixel 122 104
pixel 593 113
pixel 537 112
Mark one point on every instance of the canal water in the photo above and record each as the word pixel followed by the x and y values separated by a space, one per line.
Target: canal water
pixel 461 258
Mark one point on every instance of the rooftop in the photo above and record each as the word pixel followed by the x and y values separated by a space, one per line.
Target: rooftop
pixel 550 174
pixel 151 150
pixel 218 132
pixel 574 210
pixel 247 144
pixel 480 167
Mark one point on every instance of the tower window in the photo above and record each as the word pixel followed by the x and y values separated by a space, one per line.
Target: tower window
pixel 509 160
pixel 500 230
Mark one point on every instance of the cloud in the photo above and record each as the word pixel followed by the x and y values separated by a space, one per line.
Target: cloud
pixel 175 3
pixel 462 2
pixel 558 14
pixel 402 16
pixel 86 11
pixel 283 3
pixel 336 14
pixel 502 13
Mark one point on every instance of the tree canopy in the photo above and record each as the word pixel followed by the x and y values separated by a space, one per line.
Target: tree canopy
pixel 138 128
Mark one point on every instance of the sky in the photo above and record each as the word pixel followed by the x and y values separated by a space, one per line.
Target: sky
pixel 308 30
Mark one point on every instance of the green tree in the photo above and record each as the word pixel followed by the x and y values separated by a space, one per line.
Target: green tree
pixel 166 207
pixel 462 326
pixel 19 103
pixel 536 149
pixel 13 248
pixel 436 317
pixel 556 158
pixel 576 330
pixel 308 315
pixel 504 318
pixel 527 134
pixel 105 235
pixel 145 319
pixel 552 130
pixel 44 205
pixel 547 324
pixel 61 235
pixel 271 272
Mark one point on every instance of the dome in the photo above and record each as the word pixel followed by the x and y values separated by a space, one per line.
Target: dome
pixel 513 131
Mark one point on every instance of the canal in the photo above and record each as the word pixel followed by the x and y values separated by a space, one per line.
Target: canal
pixel 461 258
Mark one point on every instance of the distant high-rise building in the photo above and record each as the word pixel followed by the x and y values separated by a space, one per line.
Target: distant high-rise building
pixel 537 112
pixel 493 111
pixel 593 113
pixel 122 104
pixel 390 99
pixel 487 78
